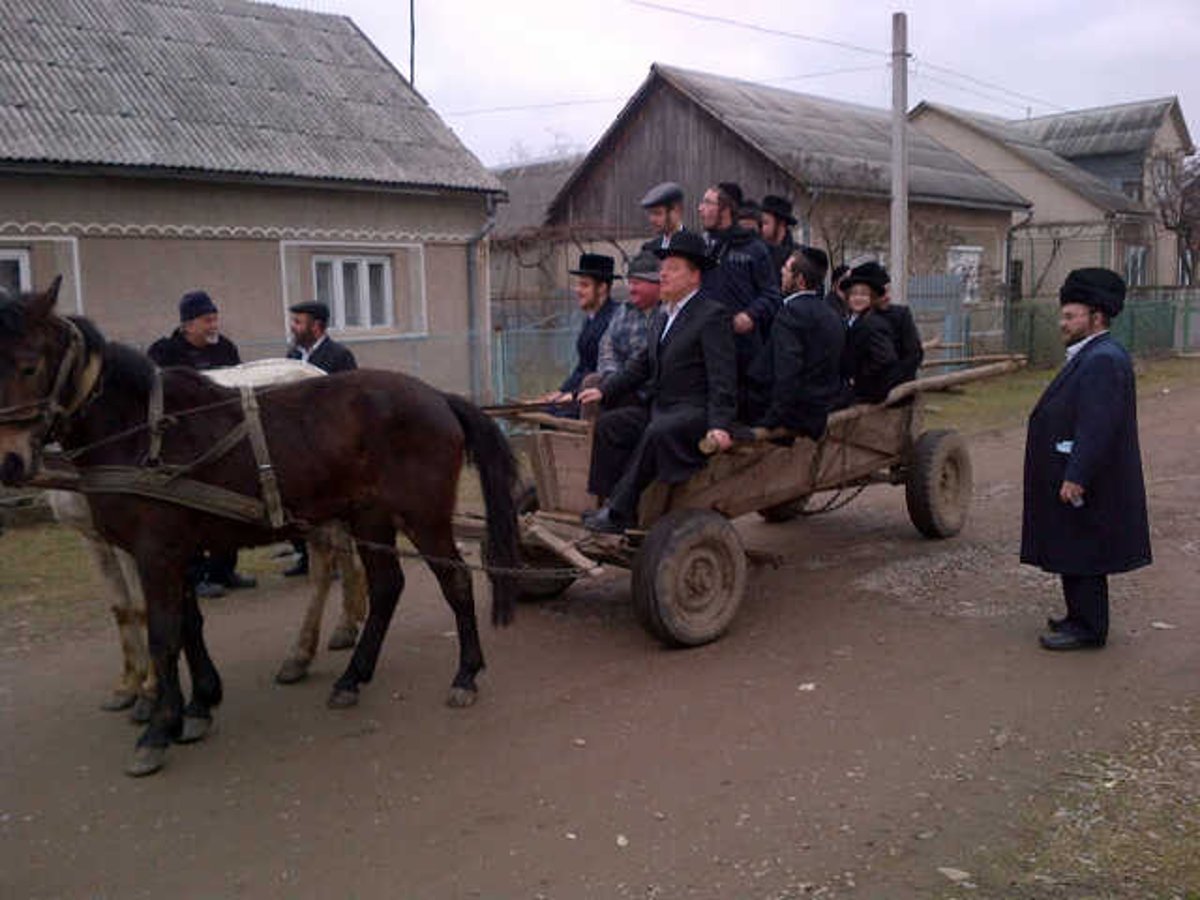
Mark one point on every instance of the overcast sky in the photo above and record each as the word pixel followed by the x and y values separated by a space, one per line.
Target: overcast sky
pixel 473 55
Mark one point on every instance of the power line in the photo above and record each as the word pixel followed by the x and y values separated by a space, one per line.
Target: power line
pixel 991 86
pixel 762 29
pixel 967 90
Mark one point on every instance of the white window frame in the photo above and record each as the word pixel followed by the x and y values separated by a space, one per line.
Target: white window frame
pixel 1136 256
pixel 21 258
pixel 338 306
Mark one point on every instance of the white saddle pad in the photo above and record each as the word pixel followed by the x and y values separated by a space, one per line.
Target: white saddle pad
pixel 263 372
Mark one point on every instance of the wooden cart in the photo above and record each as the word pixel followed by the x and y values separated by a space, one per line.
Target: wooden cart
pixel 688 563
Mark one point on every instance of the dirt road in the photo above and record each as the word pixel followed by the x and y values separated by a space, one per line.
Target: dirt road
pixel 880 709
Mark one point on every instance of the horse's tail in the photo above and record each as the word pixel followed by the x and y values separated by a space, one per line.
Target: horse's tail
pixel 488 449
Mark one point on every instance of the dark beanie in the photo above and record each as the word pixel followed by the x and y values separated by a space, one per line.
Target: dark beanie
pixel 1100 289
pixel 195 304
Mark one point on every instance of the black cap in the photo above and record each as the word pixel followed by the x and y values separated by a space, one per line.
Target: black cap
pixel 872 274
pixel 690 246
pixel 779 207
pixel 733 189
pixel 664 194
pixel 314 308
pixel 643 267
pixel 195 304
pixel 1100 289
pixel 595 265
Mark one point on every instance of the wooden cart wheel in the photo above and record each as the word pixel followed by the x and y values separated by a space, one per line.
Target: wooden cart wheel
pixel 689 577
pixel 938 486
pixel 784 512
pixel 541 583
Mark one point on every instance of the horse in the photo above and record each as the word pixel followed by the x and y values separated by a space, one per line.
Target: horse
pixel 332 551
pixel 186 461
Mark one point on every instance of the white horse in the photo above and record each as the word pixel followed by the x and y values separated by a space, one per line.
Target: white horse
pixel 331 550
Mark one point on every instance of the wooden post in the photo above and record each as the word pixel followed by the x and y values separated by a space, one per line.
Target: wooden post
pixel 899 229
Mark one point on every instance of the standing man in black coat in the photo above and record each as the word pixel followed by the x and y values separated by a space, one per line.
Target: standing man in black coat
pixel 1085 500
pixel 777 225
pixel 663 204
pixel 311 343
pixel 688 371
pixel 593 290
pixel 743 278
pixel 198 344
pixel 797 379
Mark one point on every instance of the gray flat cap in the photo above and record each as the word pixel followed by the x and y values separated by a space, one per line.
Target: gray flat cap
pixel 663 195
pixel 643 267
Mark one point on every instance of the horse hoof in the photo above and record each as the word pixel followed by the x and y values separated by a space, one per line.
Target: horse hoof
pixel 344 637
pixel 146 761
pixel 291 671
pixel 342 699
pixel 143 709
pixel 460 698
pixel 195 728
pixel 119 700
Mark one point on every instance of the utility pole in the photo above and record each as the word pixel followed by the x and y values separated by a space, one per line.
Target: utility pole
pixel 412 44
pixel 899 234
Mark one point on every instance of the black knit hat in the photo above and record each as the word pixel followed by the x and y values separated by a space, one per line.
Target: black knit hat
pixel 194 304
pixel 1100 289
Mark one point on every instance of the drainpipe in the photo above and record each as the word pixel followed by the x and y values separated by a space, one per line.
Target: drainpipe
pixel 476 336
pixel 1008 252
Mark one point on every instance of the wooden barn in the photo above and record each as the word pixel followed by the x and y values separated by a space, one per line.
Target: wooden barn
pixel 267 155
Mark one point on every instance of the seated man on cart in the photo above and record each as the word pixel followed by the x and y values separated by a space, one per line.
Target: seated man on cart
pixel 689 373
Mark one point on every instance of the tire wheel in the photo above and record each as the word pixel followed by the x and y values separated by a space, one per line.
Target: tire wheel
pixel 784 512
pixel 938 486
pixel 543 584
pixel 689 577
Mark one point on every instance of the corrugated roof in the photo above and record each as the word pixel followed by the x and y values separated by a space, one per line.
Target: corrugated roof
pixel 1123 128
pixel 837 146
pixel 531 186
pixel 1038 155
pixel 216 86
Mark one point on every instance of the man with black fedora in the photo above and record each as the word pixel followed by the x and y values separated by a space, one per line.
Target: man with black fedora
pixel 593 291
pixel 689 375
pixel 1085 499
pixel 777 225
pixel 198 344
pixel 311 343
pixel 663 204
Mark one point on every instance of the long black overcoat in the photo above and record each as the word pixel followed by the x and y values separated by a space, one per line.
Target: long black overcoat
pixel 1084 429
pixel 907 338
pixel 870 364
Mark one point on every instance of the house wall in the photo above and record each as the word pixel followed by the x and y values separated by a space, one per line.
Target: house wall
pixel 129 247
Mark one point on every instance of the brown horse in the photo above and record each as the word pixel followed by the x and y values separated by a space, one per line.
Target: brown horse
pixel 378 450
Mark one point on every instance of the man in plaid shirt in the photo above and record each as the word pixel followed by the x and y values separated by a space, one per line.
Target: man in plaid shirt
pixel 629 329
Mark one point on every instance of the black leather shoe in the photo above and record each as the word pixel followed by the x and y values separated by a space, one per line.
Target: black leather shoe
pixel 1070 640
pixel 236 580
pixel 604 521
pixel 209 590
pixel 1056 625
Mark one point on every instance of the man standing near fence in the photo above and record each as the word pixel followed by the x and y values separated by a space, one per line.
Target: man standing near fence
pixel 1085 500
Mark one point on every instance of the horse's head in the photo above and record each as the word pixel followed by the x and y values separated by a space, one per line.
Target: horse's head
pixel 43 367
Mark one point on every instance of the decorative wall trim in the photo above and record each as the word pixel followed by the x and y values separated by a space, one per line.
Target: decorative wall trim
pixel 228 232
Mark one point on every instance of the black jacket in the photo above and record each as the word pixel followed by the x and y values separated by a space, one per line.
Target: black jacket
pixel 694 366
pixel 330 356
pixel 744 279
pixel 906 338
pixel 587 346
pixel 870 364
pixel 1084 429
pixel 797 378
pixel 175 350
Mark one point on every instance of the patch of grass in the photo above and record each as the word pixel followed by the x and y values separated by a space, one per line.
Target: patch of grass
pixel 1006 401
pixel 48 577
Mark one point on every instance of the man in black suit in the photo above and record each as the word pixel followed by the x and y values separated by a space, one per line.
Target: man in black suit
pixel 312 344
pixel 797 379
pixel 870 363
pixel 593 291
pixel 663 204
pixel 1085 499
pixel 689 373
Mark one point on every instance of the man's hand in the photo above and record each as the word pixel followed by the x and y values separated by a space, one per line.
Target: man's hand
pixel 720 437
pixel 556 397
pixel 591 395
pixel 742 323
pixel 1072 493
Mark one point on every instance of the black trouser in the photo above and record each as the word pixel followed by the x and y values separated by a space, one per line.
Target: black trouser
pixel 1087 603
pixel 215 568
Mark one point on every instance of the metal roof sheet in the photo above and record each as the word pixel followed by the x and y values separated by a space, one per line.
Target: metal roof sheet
pixel 1123 128
pixel 216 86
pixel 530 186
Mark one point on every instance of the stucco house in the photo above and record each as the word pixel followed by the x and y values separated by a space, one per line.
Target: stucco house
pixel 265 154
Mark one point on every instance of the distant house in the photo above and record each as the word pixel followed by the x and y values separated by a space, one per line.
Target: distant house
pixel 831 158
pixel 1088 174
pixel 265 154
